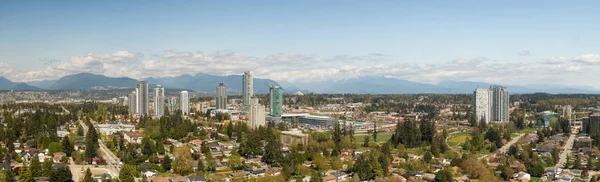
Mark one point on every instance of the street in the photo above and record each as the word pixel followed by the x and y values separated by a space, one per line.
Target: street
pixel 113 162
pixel 566 150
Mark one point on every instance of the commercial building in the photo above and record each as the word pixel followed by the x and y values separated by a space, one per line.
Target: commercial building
pixel 256 114
pixel 173 104
pixel 548 117
pixel 221 96
pixel 159 101
pixel 142 98
pixel 491 104
pixel 184 101
pixel 275 101
pixel 293 138
pixel 132 103
pixel 247 89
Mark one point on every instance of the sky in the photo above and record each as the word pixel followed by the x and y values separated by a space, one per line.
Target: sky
pixel 502 42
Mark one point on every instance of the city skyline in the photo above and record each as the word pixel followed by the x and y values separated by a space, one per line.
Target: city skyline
pixel 428 42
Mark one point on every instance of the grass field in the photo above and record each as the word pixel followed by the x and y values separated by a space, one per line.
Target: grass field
pixel 458 139
pixel 381 137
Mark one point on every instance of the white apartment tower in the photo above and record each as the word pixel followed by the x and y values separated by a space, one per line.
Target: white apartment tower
pixel 184 101
pixel 159 101
pixel 221 96
pixel 256 114
pixel 491 104
pixel 142 98
pixel 247 89
pixel 132 102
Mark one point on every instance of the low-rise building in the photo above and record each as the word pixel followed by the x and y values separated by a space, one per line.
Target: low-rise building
pixel 133 137
pixel 294 137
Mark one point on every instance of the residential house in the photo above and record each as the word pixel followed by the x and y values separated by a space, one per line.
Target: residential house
pixel 178 179
pixel 58 157
pixel 149 173
pixel 330 178
pixel 103 177
pixel 159 179
pixel 341 176
pixel 197 178
pixel 134 137
pixel 521 176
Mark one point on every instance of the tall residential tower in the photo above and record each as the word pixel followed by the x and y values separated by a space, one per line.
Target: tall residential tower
pixel 159 101
pixel 184 101
pixel 142 98
pixel 491 104
pixel 247 89
pixel 221 96
pixel 275 100
pixel 132 103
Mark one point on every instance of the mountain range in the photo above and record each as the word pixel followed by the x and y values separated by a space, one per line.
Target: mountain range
pixel 207 83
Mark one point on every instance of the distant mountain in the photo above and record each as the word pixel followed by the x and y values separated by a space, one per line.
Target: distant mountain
pixel 84 81
pixel 44 84
pixel 6 84
pixel 208 83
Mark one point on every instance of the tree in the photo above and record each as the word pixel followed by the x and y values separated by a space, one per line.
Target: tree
pixel 160 148
pixel 127 173
pixel 47 168
pixel 68 147
pixel 182 163
pixel 9 176
pixel 427 157
pixel 366 141
pixel 91 143
pixel 316 177
pixel 235 162
pixel 211 163
pixel 25 174
pixel 62 174
pixel 363 169
pixel 375 131
pixel 538 170
pixel 443 176
pixel 201 167
pixel 147 147
pixel 88 176
pixel 35 167
pixel 55 147
pixel 273 151
pixel 166 165
pixel 383 161
pixel 230 130
pixel 577 164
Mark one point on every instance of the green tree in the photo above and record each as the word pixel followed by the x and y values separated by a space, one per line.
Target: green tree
pixel 166 165
pixel 68 147
pixel 55 147
pixel 182 163
pixel 366 141
pixel 235 162
pixel 35 167
pixel 88 176
pixel 273 151
pixel 25 174
pixel 577 164
pixel 127 173
pixel 316 177
pixel 363 169
pixel 211 163
pixel 443 176
pixel 61 174
pixel 9 176
pixel 47 167
pixel 201 167
pixel 91 143
pixel 427 157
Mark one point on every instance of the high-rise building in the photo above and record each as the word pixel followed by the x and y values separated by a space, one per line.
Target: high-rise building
pixel 500 103
pixel 491 104
pixel 142 98
pixel 184 101
pixel 256 114
pixel 159 101
pixel 172 104
pixel 132 103
pixel 221 96
pixel 247 89
pixel 275 100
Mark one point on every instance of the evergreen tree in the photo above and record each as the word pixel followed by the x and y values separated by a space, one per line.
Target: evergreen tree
pixel 375 131
pixel 166 165
pixel 127 173
pixel 160 148
pixel 577 164
pixel 25 174
pixel 47 168
pixel 201 167
pixel 363 169
pixel 36 167
pixel 230 130
pixel 9 176
pixel 91 142
pixel 376 166
pixel 211 163
pixel 443 176
pixel 68 147
pixel 384 162
pixel 272 153
pixel 88 176
pixel 61 174
pixel 366 141
pixel 316 177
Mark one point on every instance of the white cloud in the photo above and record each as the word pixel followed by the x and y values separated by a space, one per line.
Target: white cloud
pixel 306 68
pixel 524 53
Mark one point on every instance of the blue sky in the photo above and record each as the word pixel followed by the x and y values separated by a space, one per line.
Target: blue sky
pixel 425 41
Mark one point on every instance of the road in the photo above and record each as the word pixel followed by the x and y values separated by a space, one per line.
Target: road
pixel 113 162
pixel 566 150
pixel 505 148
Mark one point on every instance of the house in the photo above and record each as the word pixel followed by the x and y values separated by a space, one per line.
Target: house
pixel 341 176
pixel 102 177
pixel 149 173
pixel 178 179
pixel 436 167
pixel 429 176
pixel 257 173
pixel 196 142
pixel 133 137
pixel 159 179
pixel 58 156
pixel 398 161
pixel 585 150
pixel 521 176
pixel 551 170
pixel 197 178
pixel 5 166
pixel 330 178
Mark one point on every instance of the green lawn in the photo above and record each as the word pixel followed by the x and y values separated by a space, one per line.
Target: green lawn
pixel 458 139
pixel 381 137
